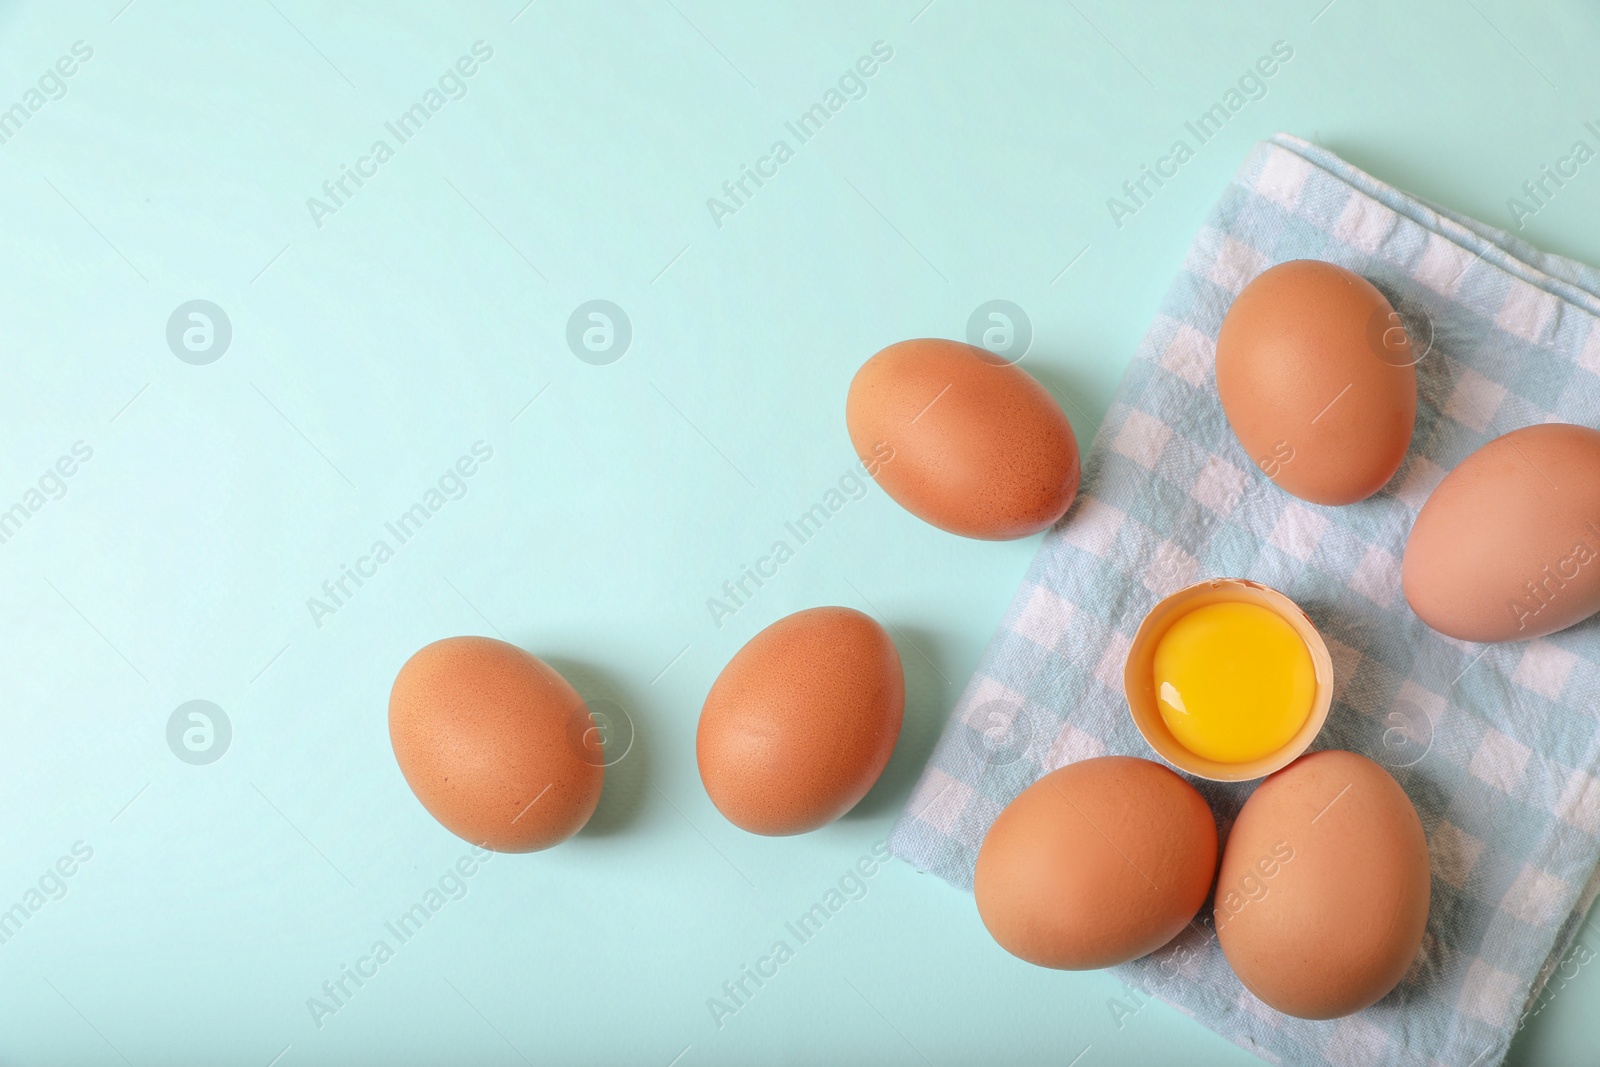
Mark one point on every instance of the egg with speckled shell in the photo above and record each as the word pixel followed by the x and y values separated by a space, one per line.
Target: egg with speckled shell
pixel 1317 376
pixel 495 744
pixel 801 722
pixel 1095 864
pixel 1323 895
pixel 1507 548
pixel 963 439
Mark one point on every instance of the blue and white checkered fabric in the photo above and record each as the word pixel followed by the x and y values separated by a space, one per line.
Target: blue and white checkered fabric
pixel 1497 745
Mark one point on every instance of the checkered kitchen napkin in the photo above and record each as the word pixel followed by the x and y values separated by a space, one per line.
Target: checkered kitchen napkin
pixel 1497 745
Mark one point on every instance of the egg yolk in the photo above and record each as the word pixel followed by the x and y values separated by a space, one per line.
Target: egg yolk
pixel 1234 681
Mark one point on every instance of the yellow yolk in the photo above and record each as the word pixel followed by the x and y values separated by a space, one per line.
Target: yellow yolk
pixel 1234 681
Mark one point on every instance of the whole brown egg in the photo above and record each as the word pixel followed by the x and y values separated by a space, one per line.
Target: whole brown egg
pixel 1316 375
pixel 1323 895
pixel 495 744
pixel 1507 548
pixel 802 721
pixel 963 439
pixel 1096 864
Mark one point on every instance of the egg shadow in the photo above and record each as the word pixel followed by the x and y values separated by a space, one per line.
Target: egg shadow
pixel 618 718
pixel 931 691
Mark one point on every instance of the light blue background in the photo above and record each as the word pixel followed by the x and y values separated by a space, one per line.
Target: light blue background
pixel 369 353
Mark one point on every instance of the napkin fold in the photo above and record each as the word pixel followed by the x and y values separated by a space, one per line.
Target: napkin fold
pixel 1497 745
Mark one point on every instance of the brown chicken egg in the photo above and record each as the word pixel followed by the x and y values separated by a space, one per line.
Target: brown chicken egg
pixel 1316 376
pixel 801 722
pixel 963 439
pixel 1323 895
pixel 495 744
pixel 1507 547
pixel 1095 864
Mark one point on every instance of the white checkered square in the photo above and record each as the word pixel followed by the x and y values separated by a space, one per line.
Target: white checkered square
pixel 1442 265
pixel 1427 700
pixel 1235 265
pixel 1072 745
pixel 939 800
pixel 1537 897
pixel 1474 400
pixel 1190 355
pixel 1094 526
pixel 1356 1043
pixel 1580 803
pixel 1298 532
pixel 1345 662
pixel 1142 438
pixel 1454 852
pixel 1490 995
pixel 1282 177
pixel 1109 670
pixel 1528 313
pixel 1044 618
pixel 1377 576
pixel 1365 224
pixel 1589 358
pixel 1409 725
pixel 1544 668
pixel 1499 761
pixel 1219 486
pixel 1171 568
pixel 1422 477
